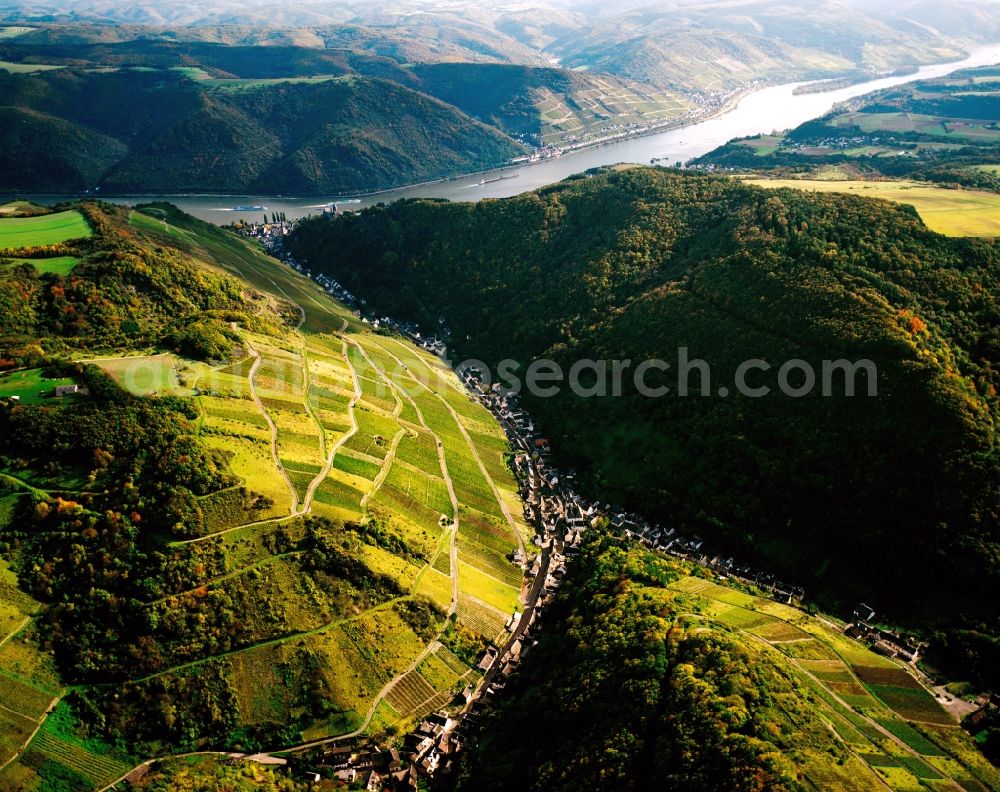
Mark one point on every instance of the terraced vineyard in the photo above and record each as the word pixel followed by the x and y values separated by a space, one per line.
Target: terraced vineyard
pixel 324 420
pixel 366 426
pixel 29 684
pixel 898 734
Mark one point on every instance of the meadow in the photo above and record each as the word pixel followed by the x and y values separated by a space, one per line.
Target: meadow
pixel 27 68
pixel 50 229
pixel 143 375
pixel 952 212
pixel 31 386
pixel 58 265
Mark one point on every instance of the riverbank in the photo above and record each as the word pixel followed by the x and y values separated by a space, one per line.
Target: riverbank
pixel 748 113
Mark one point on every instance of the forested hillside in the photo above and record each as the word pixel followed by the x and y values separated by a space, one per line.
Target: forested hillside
pixel 70 130
pixel 118 294
pixel 893 497
pixel 647 676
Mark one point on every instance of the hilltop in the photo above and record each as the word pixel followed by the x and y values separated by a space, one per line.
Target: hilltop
pixel 892 498
pixel 647 675
pixel 230 518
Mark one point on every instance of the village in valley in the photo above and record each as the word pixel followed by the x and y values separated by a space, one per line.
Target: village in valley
pixel 560 516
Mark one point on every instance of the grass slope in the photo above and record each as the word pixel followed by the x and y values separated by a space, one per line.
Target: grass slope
pixel 22 232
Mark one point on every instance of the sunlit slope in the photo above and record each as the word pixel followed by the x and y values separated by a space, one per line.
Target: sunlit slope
pixel 369 501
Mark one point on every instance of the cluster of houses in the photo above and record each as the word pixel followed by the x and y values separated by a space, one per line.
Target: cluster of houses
pixel 363 766
pixel 885 642
pixel 271 235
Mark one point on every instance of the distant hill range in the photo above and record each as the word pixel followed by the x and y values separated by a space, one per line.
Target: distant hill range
pixel 69 130
pixel 945 130
pixel 679 45
pixel 505 77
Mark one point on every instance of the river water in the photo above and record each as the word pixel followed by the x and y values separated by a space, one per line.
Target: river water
pixel 763 111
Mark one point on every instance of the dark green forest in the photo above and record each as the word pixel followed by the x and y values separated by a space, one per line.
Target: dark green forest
pixel 892 498
pixel 69 130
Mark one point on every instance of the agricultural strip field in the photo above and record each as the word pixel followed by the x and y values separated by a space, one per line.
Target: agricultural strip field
pixel 51 229
pixel 895 729
pixel 950 212
pixel 336 411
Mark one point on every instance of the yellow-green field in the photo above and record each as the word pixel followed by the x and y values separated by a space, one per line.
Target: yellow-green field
pixel 143 375
pixel 27 68
pixel 950 212
pixel 58 265
pixel 51 229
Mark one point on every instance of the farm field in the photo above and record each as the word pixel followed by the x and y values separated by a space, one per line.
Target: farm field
pixel 27 68
pixel 57 759
pixel 59 265
pixel 947 211
pixel 13 31
pixel 51 229
pixel 143 375
pixel 892 725
pixel 915 122
pixel 32 387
